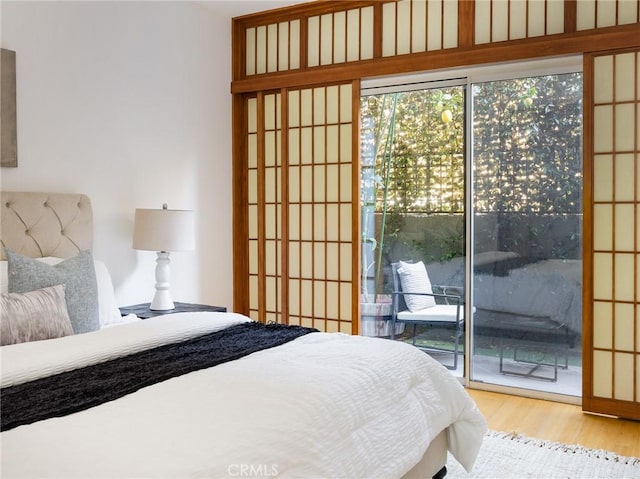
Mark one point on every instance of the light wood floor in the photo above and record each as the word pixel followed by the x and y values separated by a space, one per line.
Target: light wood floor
pixel 558 422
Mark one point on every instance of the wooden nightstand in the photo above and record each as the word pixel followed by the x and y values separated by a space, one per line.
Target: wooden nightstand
pixel 143 311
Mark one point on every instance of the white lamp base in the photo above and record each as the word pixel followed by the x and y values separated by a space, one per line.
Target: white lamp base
pixel 162 299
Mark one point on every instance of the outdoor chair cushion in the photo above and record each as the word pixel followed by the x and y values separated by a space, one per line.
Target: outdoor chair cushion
pixel 445 313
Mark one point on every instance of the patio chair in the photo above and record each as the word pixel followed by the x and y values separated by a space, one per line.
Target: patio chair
pixel 425 307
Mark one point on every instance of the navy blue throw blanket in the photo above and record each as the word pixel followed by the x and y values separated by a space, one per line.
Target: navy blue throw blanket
pixel 90 386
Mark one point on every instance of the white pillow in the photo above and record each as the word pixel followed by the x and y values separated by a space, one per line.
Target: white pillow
pixel 109 312
pixel 108 308
pixel 4 277
pixel 414 279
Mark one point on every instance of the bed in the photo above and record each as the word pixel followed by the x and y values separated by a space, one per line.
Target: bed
pixel 123 399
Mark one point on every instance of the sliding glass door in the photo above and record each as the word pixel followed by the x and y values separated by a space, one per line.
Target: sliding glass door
pixel 413 205
pixel 480 180
pixel 527 224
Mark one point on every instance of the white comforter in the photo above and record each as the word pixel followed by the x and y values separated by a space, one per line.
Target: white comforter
pixel 323 405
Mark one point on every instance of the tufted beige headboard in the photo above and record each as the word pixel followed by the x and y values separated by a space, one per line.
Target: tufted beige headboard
pixel 45 224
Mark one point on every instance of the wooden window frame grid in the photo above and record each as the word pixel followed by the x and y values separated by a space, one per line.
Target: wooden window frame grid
pixel 588 42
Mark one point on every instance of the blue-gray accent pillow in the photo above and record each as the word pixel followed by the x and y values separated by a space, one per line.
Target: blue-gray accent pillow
pixel 76 273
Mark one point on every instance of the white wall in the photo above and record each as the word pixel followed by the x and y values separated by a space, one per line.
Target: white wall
pixel 129 103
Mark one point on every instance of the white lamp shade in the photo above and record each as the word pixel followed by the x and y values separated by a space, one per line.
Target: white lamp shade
pixel 164 230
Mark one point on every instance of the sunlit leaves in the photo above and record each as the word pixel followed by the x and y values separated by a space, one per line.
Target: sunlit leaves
pixel 528 154
pixel 427 173
pixel 527 147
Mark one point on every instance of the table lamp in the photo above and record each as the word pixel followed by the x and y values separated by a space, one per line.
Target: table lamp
pixel 163 231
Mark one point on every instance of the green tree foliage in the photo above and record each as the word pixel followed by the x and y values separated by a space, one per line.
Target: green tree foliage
pixel 527 143
pixel 427 171
pixel 527 163
pixel 527 147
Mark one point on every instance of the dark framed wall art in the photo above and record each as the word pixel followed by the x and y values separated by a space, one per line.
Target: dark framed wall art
pixel 8 127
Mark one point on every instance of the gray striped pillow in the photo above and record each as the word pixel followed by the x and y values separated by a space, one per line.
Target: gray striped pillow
pixel 32 316
pixel 414 279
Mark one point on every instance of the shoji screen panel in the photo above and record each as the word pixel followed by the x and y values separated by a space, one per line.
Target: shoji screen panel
pixel 272 209
pixel 411 26
pixel 272 48
pixel 606 13
pixel 322 173
pixel 613 384
pixel 340 37
pixel 253 208
pixel 265 207
pixel 501 20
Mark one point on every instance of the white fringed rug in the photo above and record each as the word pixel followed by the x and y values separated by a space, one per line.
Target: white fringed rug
pixel 505 455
